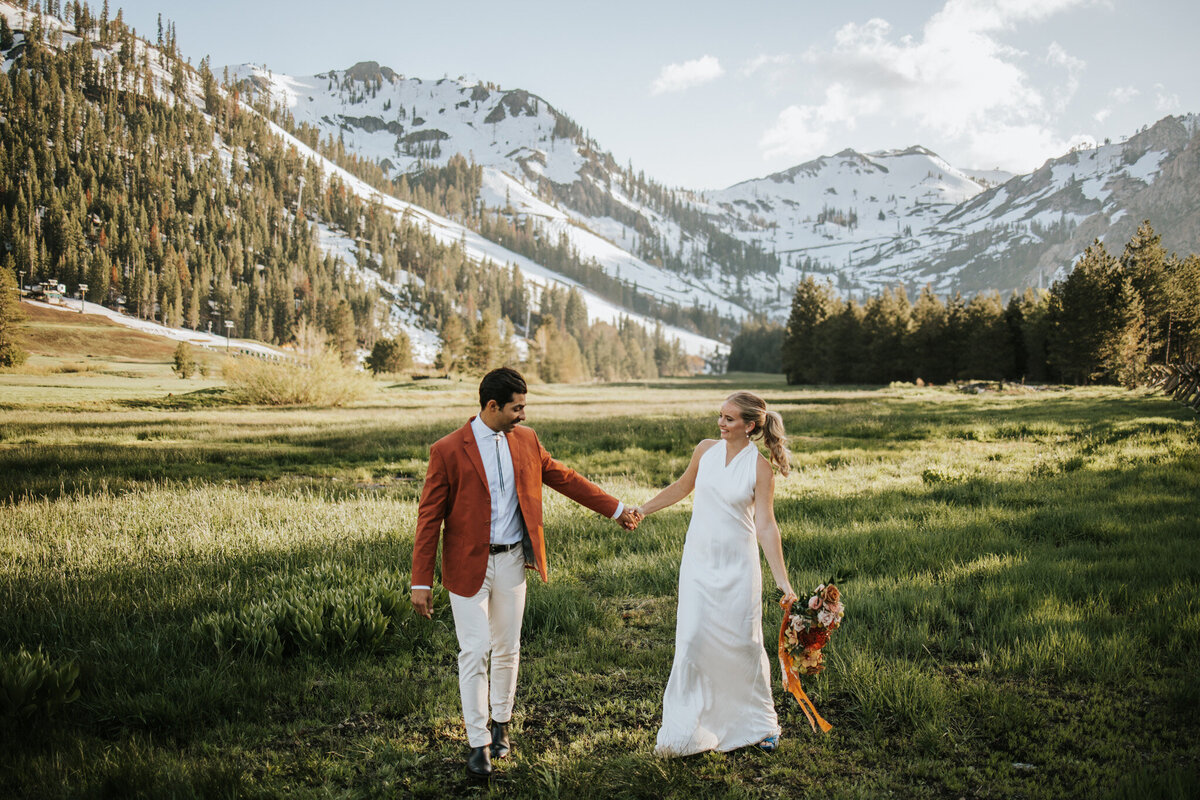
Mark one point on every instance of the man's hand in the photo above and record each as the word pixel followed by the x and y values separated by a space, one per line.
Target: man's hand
pixel 422 600
pixel 629 518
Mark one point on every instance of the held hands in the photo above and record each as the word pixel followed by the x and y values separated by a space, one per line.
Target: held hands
pixel 630 518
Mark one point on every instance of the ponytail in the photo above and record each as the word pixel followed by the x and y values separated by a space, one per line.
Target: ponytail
pixel 776 441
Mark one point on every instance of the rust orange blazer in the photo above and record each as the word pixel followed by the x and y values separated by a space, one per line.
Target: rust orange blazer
pixel 456 503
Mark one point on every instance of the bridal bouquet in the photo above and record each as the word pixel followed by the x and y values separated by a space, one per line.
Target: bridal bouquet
pixel 808 631
pixel 801 637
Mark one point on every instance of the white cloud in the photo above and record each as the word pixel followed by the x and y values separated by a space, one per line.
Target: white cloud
pixel 1123 94
pixel 762 62
pixel 1120 96
pixel 805 129
pixel 1059 57
pixel 678 77
pixel 1165 102
pixel 956 83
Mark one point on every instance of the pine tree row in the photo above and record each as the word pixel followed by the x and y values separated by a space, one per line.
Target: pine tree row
pixel 1106 322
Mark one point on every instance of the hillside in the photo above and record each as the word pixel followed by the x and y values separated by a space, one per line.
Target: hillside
pixel 171 193
pixel 535 165
pixel 60 333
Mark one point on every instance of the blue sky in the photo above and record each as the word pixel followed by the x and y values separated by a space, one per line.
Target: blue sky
pixel 704 94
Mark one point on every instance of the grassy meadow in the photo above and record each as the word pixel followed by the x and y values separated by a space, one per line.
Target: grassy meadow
pixel 1021 572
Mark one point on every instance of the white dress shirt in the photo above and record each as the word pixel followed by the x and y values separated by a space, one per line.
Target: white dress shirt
pixel 507 527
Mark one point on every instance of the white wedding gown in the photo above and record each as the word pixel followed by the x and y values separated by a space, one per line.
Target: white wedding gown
pixel 719 694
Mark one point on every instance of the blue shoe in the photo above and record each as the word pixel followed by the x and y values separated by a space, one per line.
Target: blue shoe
pixel 769 744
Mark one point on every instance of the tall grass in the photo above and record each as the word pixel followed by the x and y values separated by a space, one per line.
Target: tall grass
pixel 1019 570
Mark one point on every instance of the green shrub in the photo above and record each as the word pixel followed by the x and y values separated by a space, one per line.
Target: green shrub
pixel 186 364
pixel 390 355
pixel 30 683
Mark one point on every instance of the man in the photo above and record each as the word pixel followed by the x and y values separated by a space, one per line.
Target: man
pixel 483 496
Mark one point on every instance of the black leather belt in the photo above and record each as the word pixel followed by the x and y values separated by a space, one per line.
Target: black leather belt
pixel 502 548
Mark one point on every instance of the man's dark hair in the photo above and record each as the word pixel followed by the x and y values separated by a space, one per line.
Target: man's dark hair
pixel 500 385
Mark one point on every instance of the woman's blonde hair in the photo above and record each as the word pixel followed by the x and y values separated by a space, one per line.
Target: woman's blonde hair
pixel 767 424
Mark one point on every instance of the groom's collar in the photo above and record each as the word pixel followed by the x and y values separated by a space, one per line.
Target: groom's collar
pixel 481 429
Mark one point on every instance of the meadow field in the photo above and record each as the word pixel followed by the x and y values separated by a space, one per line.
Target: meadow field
pixel 1021 571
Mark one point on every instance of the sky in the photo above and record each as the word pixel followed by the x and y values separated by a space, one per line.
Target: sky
pixel 702 94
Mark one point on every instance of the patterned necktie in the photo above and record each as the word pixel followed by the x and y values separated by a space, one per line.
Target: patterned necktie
pixel 499 469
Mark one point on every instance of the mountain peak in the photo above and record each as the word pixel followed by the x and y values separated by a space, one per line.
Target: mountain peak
pixel 371 72
pixel 914 150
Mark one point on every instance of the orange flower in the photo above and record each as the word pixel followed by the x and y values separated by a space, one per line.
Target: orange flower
pixel 832 594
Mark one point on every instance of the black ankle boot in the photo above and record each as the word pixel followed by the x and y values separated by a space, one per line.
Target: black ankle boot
pixel 479 763
pixel 500 743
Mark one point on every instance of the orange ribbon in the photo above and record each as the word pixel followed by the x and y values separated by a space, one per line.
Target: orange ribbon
pixel 791 681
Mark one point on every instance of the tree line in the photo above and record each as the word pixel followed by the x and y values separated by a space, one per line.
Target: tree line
pixel 1107 321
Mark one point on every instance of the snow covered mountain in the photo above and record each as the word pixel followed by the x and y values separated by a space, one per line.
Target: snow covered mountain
pixel 1030 229
pixel 865 220
pixel 880 219
pixel 835 215
pixel 536 163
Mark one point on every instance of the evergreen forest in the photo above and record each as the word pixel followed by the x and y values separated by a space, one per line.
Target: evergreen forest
pixel 167 192
pixel 1108 321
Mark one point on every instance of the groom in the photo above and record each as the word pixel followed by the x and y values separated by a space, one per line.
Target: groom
pixel 483 497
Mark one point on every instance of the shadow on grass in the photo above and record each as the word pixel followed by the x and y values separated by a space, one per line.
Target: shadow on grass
pixel 974 607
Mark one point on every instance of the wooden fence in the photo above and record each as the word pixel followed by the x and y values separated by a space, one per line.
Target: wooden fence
pixel 1181 381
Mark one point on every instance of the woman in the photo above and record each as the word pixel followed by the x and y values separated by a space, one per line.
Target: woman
pixel 719 694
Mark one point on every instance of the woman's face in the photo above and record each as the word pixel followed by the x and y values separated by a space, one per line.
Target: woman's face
pixel 731 424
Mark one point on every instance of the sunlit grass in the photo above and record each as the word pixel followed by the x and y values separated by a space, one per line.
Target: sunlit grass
pixel 1020 573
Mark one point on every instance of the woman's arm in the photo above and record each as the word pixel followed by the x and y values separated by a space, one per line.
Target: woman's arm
pixel 680 488
pixel 766 528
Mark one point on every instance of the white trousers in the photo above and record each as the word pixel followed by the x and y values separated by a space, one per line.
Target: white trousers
pixel 489 622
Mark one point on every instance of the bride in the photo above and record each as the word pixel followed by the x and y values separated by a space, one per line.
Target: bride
pixel 719 694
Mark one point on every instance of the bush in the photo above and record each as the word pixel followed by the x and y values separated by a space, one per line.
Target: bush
pixel 322 380
pixel 186 363
pixel 30 683
pixel 390 355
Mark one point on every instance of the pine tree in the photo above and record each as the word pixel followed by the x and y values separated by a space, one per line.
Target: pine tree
pixel 926 343
pixel 1035 336
pixel 1146 264
pixel 1183 292
pixel 812 304
pixel 758 347
pixel 886 321
pixel 1082 316
pixel 11 316
pixel 454 344
pixel 1125 351
pixel 987 350
pixel 484 350
pixel 341 331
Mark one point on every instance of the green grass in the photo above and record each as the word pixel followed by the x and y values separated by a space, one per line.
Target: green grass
pixel 1020 571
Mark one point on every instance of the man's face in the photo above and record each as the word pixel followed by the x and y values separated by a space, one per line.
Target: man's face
pixel 510 415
